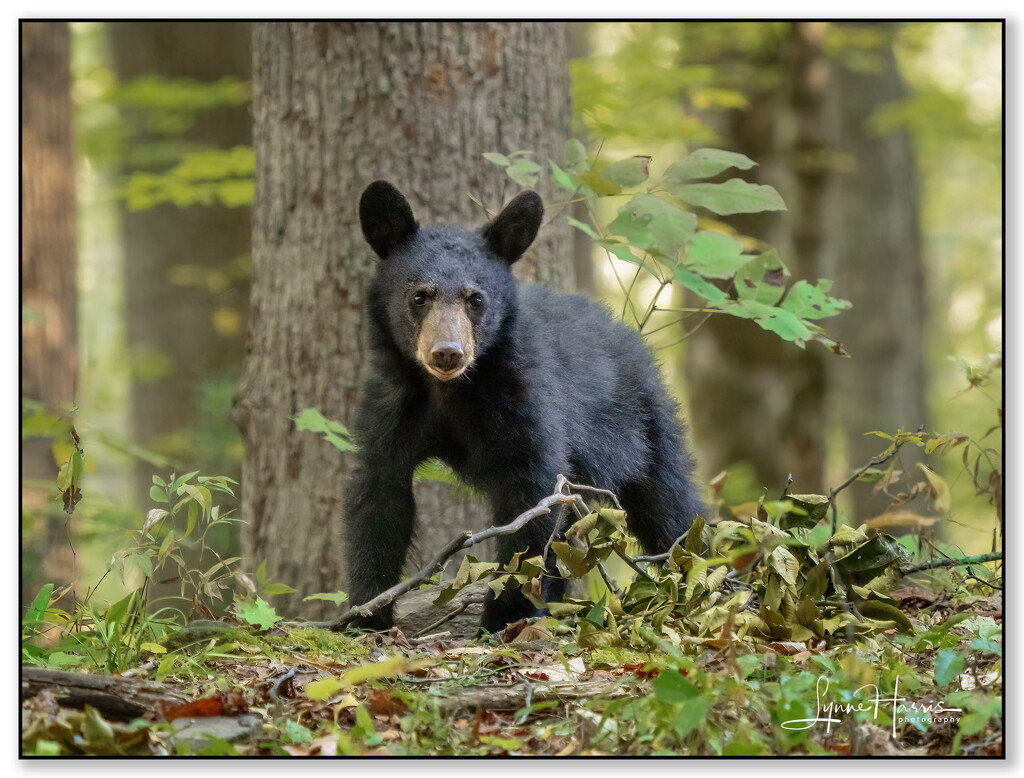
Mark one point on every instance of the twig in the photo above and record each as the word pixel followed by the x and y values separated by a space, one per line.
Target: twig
pixel 434 636
pixel 608 580
pixel 785 489
pixel 877 461
pixel 465 540
pixel 448 616
pixel 632 563
pixel 662 557
pixel 584 488
pixel 970 560
pixel 552 536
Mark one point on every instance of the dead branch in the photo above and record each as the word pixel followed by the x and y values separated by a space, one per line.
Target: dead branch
pixel 561 496
pixel 950 562
pixel 116 698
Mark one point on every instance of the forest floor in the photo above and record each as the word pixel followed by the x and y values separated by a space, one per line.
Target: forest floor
pixel 935 690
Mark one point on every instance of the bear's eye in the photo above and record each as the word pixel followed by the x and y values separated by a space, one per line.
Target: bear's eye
pixel 476 301
pixel 420 298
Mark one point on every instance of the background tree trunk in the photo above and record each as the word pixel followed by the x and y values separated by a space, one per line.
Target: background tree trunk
pixel 49 269
pixel 337 106
pixel 183 336
pixel 757 402
pixel 876 237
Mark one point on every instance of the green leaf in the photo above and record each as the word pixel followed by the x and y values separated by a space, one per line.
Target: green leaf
pixel 497 159
pixel 573 558
pixel 705 163
pixel 116 613
pixel 278 588
pixel 373 670
pixel 596 614
pixel 62 660
pixel 334 432
pixel 523 171
pixel 655 225
pixel 599 184
pixel 181 480
pixel 156 494
pixel 583 227
pixel 628 172
pixel 768 317
pixel 762 279
pixel 144 563
pixel 76 468
pixel 671 686
pixel 257 612
pixel 733 196
pixel 576 156
pixel 883 611
pixel 562 179
pixel 715 255
pixel 322 689
pixel 235 192
pixel 215 164
pixel 504 743
pixel 294 732
pixel 700 286
pixel 34 615
pixel 691 715
pixel 812 301
pixel 949 663
pixel 622 251
pixel 337 597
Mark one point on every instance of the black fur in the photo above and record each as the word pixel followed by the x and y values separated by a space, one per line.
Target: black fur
pixel 557 386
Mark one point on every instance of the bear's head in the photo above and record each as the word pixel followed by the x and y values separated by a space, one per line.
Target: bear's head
pixel 444 294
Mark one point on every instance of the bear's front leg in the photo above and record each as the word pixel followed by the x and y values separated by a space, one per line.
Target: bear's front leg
pixel 512 605
pixel 380 513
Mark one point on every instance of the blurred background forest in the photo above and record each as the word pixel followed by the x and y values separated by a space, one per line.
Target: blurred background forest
pixel 884 139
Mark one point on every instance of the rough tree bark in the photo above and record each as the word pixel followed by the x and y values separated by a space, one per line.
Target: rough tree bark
pixel 49 337
pixel 49 268
pixel 337 106
pixel 195 330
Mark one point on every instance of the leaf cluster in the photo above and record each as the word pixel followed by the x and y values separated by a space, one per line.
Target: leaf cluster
pixel 779 573
pixel 659 232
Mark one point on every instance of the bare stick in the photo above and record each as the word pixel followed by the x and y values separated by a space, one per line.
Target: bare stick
pixel 448 616
pixel 465 540
pixel 971 560
pixel 389 595
pixel 665 556
pixel 877 461
pixel 632 563
pixel 584 488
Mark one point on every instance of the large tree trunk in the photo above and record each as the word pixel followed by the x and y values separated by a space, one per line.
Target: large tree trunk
pixel 877 243
pixel 49 269
pixel 49 337
pixel 183 336
pixel 337 106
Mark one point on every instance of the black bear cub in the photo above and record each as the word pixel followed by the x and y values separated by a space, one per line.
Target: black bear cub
pixel 509 386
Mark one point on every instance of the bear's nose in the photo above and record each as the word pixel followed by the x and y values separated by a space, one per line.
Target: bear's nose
pixel 446 355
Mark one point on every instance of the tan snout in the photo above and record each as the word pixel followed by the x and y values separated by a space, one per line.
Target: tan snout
pixel 445 345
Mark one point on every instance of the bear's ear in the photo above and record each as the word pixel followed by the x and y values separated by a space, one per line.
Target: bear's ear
pixel 386 218
pixel 513 230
